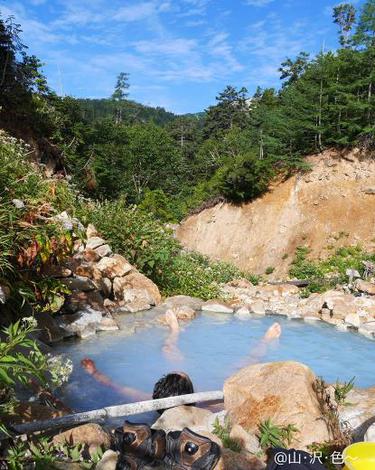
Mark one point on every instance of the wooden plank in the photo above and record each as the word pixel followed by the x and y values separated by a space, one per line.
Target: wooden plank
pixel 115 412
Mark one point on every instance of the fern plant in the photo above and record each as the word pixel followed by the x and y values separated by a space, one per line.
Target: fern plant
pixel 272 435
pixel 342 390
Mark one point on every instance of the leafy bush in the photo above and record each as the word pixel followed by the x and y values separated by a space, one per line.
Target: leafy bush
pixel 138 236
pixel 194 274
pixel 151 247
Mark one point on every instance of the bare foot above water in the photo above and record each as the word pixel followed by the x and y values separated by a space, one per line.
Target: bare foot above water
pixel 273 332
pixel 171 320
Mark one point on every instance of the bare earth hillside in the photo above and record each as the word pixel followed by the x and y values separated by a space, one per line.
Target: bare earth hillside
pixel 332 205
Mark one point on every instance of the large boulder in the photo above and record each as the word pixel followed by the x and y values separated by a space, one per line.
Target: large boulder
pixel 136 287
pixel 83 324
pixel 281 391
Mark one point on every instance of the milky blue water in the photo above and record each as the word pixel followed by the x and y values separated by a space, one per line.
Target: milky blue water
pixel 212 348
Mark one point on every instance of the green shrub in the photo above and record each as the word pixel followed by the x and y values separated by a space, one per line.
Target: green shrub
pixel 195 275
pixel 325 274
pixel 271 435
pixel 137 235
pixel 270 270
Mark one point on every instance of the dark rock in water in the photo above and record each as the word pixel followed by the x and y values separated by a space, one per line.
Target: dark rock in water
pixel 50 331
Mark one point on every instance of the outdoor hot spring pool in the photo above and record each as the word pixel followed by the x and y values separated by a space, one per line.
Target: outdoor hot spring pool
pixel 213 347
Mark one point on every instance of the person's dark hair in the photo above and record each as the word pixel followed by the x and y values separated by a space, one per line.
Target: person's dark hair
pixel 172 385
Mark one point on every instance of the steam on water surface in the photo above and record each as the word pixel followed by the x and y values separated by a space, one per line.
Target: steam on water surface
pixel 213 347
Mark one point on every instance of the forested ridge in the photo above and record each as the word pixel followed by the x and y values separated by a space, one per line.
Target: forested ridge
pixel 170 164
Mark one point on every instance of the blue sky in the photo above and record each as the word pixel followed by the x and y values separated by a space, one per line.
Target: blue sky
pixel 179 53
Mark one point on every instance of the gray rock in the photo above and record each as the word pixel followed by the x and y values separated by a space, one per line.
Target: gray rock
pixel 83 324
pixel 18 204
pixel 370 434
pixel 79 283
pixel 103 251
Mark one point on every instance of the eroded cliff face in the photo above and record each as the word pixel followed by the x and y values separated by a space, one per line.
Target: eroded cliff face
pixel 332 205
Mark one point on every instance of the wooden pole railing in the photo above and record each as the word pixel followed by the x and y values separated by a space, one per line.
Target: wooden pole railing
pixel 115 412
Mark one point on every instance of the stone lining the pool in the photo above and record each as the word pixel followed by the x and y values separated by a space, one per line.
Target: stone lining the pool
pixel 346 310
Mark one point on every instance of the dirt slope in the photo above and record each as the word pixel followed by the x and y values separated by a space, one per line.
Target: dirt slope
pixel 332 205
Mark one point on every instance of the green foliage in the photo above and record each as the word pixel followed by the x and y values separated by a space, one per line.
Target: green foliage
pixel 342 390
pixel 157 203
pixel 271 435
pixel 270 270
pixel 151 247
pixel 325 274
pixel 223 433
pixel 138 236
pixel 16 366
pixel 195 275
pixel 43 454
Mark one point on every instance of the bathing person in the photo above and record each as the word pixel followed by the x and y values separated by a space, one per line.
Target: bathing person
pixel 170 385
pixel 170 348
pixel 175 383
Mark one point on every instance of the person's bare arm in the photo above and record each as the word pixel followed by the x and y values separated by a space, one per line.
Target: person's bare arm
pixel 129 392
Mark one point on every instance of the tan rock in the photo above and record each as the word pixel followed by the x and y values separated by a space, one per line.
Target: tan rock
pixel 90 434
pixel 91 231
pixel 136 285
pixel 353 320
pixel 108 461
pixel 280 391
pixel 240 283
pixel 183 301
pixel 258 307
pixel 184 313
pixel 115 266
pixel 365 287
pixel 89 270
pixel 90 255
pixel 216 307
pixel 180 417
pixel 247 441
pixel 107 324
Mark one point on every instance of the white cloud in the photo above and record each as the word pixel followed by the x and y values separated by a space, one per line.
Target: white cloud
pixel 136 12
pixel 166 46
pixel 258 3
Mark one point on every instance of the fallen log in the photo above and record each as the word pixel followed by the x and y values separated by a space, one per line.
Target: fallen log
pixel 114 412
